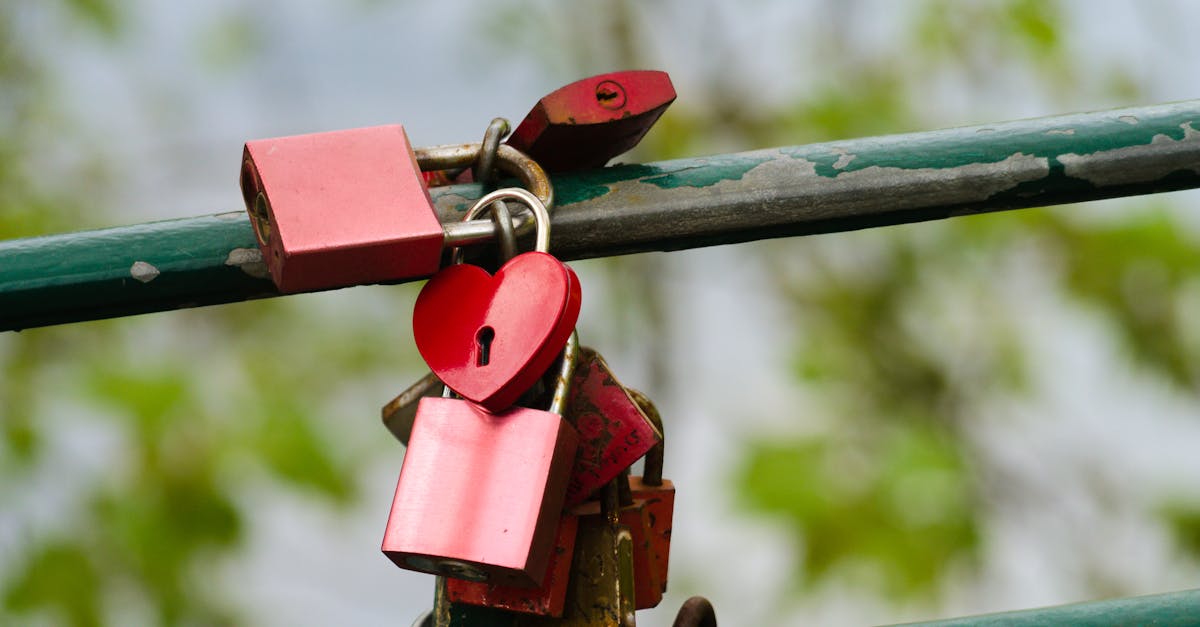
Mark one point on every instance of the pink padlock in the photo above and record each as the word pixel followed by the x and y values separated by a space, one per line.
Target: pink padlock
pixel 480 494
pixel 340 208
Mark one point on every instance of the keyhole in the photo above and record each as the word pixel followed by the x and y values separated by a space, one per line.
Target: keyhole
pixel 610 95
pixel 484 339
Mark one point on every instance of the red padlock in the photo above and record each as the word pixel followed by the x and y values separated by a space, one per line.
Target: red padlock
pixel 350 207
pixel 480 494
pixel 338 208
pixel 657 493
pixel 586 123
pixel 613 430
pixel 490 337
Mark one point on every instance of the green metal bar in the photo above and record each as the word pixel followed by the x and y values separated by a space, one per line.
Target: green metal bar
pixel 670 205
pixel 1172 609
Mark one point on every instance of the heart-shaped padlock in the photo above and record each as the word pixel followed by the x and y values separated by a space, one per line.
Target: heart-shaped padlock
pixel 491 337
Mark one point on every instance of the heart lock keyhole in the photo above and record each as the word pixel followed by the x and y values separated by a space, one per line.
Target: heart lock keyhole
pixel 483 341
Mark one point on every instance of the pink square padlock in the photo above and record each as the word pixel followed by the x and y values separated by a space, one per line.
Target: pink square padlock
pixel 480 494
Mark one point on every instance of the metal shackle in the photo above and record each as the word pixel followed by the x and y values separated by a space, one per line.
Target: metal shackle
pixel 508 160
pixel 541 215
pixel 652 472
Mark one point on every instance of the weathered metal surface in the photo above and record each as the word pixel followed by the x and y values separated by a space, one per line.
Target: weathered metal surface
pixel 671 205
pixel 1173 609
pixel 586 123
pixel 130 270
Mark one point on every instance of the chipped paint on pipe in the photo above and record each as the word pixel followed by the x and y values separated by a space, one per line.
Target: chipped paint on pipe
pixel 670 205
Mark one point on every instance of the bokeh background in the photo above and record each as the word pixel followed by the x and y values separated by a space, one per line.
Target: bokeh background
pixel 977 414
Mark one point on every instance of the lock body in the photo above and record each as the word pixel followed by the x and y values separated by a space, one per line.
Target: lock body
pixel 658 502
pixel 340 208
pixel 480 494
pixel 544 600
pixel 614 432
pixel 586 123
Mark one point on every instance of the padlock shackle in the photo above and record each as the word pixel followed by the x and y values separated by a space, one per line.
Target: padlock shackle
pixel 484 170
pixel 541 215
pixel 509 160
pixel 566 373
pixel 652 472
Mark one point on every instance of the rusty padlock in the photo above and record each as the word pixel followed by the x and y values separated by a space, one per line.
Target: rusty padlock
pixel 635 515
pixel 480 494
pixel 656 493
pixel 613 430
pixel 600 591
pixel 350 207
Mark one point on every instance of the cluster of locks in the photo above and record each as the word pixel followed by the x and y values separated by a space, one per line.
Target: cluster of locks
pixel 515 488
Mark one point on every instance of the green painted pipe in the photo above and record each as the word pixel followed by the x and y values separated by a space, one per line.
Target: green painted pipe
pixel 670 205
pixel 1172 609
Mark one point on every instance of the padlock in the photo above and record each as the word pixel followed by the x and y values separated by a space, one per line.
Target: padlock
pixel 480 494
pixel 350 207
pixel 636 516
pixel 601 588
pixel 657 493
pixel 586 123
pixel 613 430
pixel 490 337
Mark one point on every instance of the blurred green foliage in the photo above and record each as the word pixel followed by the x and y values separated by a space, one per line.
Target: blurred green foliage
pixel 235 396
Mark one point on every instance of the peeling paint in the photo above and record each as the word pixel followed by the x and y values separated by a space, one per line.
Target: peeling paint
pixel 232 216
pixel 1128 119
pixel 843 161
pixel 1135 164
pixel 248 260
pixel 143 271
pixel 717 169
pixel 1061 131
pixel 795 178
